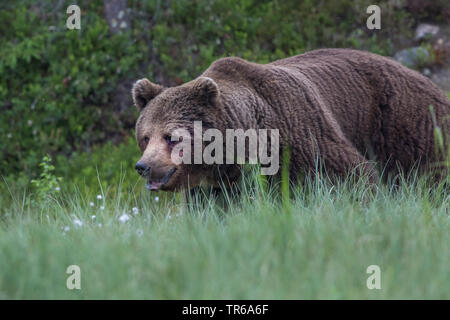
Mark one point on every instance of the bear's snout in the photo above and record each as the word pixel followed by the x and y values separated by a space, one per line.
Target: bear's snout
pixel 142 168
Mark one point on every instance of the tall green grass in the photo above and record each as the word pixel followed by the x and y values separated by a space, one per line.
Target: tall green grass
pixel 248 249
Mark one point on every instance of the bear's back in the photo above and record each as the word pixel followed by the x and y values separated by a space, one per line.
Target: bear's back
pixel 379 105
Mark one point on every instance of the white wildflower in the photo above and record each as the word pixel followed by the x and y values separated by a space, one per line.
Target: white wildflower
pixel 99 197
pixel 102 207
pixel 78 223
pixel 124 218
pixel 66 229
pixel 91 204
pixel 156 199
pixel 135 210
pixel 93 218
pixel 58 189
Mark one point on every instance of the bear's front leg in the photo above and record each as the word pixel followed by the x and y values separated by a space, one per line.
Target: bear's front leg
pixel 341 160
pixel 199 196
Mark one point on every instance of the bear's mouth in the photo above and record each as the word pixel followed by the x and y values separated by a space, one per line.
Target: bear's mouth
pixel 157 184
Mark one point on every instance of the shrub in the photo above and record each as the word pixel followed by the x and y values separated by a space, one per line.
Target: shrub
pixel 66 91
pixel 47 184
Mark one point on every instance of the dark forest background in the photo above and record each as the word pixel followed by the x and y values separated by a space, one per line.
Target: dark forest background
pixel 66 93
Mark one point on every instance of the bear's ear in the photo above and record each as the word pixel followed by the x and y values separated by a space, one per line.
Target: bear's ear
pixel 143 91
pixel 206 88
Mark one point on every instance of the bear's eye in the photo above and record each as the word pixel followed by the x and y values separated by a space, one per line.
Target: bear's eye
pixel 146 140
pixel 168 139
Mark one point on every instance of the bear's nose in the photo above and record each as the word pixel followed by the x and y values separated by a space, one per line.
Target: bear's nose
pixel 141 168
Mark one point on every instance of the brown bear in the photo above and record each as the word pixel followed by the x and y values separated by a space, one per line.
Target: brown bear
pixel 347 108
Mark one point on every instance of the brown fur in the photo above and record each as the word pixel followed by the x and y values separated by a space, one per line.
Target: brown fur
pixel 345 107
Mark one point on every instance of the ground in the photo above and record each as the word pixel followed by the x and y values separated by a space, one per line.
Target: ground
pixel 317 245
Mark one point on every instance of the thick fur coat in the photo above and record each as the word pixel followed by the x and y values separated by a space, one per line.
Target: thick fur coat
pixel 346 108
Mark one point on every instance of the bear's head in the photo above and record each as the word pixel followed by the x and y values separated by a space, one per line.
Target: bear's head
pixel 164 111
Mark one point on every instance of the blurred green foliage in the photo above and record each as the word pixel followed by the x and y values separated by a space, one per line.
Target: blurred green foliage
pixel 56 85
pixel 47 184
pixel 104 168
pixel 64 92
